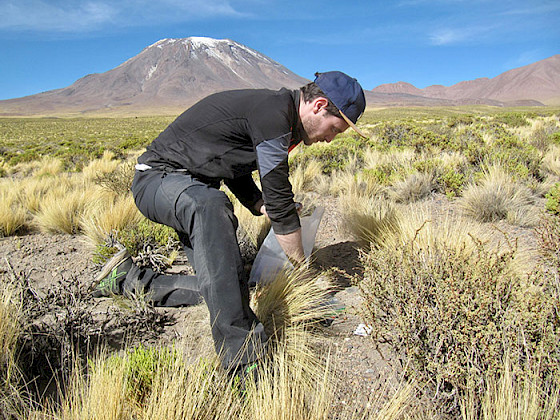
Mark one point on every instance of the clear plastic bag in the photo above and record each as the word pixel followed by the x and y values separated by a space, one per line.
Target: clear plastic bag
pixel 271 257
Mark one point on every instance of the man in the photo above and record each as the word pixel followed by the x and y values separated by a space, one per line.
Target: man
pixel 225 137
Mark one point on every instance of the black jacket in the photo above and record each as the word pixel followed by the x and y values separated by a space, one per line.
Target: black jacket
pixel 227 136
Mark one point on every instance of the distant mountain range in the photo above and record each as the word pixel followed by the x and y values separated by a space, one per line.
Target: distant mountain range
pixel 172 74
pixel 535 84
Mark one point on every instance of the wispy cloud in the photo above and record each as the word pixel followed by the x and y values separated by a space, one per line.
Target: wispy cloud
pixel 91 15
pixel 460 35
pixel 537 9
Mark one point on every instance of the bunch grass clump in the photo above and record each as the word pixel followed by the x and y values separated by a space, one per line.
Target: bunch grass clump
pixel 13 217
pixel 551 161
pixel 513 396
pixel 495 197
pixel 61 210
pixel 109 215
pixel 370 220
pixel 415 187
pixel 303 176
pixel 13 398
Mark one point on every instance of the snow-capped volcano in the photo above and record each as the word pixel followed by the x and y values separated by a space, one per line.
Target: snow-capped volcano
pixel 169 74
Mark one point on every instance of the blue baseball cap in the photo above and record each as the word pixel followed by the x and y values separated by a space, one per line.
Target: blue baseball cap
pixel 345 93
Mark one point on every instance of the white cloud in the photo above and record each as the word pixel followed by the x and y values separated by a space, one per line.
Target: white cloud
pixel 76 16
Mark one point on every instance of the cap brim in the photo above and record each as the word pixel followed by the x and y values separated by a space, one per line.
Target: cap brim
pixel 351 124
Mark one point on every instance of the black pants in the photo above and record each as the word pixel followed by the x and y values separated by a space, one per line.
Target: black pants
pixel 203 217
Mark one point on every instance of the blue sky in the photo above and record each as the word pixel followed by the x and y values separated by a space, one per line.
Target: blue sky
pixel 49 44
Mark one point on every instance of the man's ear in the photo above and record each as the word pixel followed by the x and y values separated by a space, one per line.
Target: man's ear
pixel 319 104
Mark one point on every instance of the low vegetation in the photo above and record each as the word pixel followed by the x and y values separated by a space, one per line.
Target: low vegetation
pixel 471 313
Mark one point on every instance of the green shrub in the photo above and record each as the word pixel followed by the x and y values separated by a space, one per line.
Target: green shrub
pixel 332 156
pixel 470 143
pixel 460 120
pixel 553 200
pixel 513 119
pixel 521 159
pixel 147 233
pixel 142 365
pixel 410 135
pixel 451 182
pixel 453 316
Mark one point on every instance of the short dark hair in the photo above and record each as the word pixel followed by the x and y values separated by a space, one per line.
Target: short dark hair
pixel 311 92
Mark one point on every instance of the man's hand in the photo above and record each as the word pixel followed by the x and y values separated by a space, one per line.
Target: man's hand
pixel 259 206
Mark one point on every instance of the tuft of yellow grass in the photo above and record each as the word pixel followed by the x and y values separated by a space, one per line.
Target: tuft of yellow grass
pixel 108 213
pixel 304 176
pixel 551 161
pixel 496 196
pixel 292 297
pixel 513 396
pixel 12 214
pixel 48 166
pixel 293 384
pixel 413 188
pixel 61 210
pixel 99 395
pixel 370 220
pixel 10 313
pixel 106 164
pixel 396 158
pixel 32 190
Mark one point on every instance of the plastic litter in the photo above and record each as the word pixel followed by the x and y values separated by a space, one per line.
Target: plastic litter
pixel 271 257
pixel 363 330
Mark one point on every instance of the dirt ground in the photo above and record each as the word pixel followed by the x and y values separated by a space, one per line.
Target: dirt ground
pixel 364 369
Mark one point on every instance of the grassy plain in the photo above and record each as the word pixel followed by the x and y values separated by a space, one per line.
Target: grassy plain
pixel 476 327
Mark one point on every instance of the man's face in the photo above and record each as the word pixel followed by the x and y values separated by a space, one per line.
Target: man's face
pixel 322 126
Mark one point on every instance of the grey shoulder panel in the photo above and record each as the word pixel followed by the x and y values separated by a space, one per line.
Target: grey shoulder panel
pixel 270 153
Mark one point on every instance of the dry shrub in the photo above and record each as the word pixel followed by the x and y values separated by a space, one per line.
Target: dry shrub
pixel 369 220
pixel 414 188
pixel 548 235
pixel 452 313
pixel 496 197
pixel 119 180
pixel 13 217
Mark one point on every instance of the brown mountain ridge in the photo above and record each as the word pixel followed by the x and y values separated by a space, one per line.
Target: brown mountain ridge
pixel 534 84
pixel 172 74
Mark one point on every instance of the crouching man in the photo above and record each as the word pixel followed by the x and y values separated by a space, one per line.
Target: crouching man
pixel 225 137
